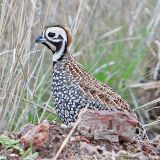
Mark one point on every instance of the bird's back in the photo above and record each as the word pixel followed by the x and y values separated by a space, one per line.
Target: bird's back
pixel 72 82
pixel 94 89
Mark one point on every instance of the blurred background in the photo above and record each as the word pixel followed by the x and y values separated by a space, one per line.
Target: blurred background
pixel 116 41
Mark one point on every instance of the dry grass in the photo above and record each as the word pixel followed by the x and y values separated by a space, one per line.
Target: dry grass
pixel 111 38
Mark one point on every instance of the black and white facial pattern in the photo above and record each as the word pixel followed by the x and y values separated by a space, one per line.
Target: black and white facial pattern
pixel 55 39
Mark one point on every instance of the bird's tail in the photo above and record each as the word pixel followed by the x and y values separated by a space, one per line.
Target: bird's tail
pixel 141 132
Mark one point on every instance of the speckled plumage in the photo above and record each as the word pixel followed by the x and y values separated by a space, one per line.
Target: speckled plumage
pixel 74 88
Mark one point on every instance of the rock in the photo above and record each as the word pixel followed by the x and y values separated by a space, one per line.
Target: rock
pixel 106 135
pixel 25 129
pixel 47 138
pixel 112 126
pixel 37 137
pixel 156 143
pixel 147 148
pixel 88 149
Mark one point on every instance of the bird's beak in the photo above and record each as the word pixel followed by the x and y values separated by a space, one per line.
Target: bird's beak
pixel 40 39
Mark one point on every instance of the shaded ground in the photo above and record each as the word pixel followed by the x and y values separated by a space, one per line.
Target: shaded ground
pixel 99 135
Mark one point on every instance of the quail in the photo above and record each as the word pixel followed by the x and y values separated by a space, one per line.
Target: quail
pixel 73 87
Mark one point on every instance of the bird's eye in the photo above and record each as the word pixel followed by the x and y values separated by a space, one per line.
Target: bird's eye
pixel 50 34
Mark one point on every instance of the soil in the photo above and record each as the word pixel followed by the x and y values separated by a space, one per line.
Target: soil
pixel 93 138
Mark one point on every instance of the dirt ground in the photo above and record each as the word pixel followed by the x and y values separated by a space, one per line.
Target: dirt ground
pixel 98 135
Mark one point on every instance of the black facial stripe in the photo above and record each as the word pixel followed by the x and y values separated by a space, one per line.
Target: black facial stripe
pixel 48 39
pixel 44 32
pixel 47 45
pixel 57 44
pixel 60 37
pixel 65 51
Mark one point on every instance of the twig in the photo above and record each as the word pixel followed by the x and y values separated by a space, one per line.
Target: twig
pixel 70 133
pixel 147 104
pixel 157 69
pixel 149 85
pixel 152 123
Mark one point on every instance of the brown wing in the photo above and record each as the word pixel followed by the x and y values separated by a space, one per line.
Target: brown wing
pixel 95 89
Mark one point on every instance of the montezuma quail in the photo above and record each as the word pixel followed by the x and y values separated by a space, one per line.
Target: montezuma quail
pixel 73 88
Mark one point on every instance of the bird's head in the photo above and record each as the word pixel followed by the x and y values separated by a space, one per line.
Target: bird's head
pixel 56 38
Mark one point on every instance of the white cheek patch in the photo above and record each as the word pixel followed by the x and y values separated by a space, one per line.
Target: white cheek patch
pixel 55 57
pixel 51 46
pixel 57 40
pixel 56 36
